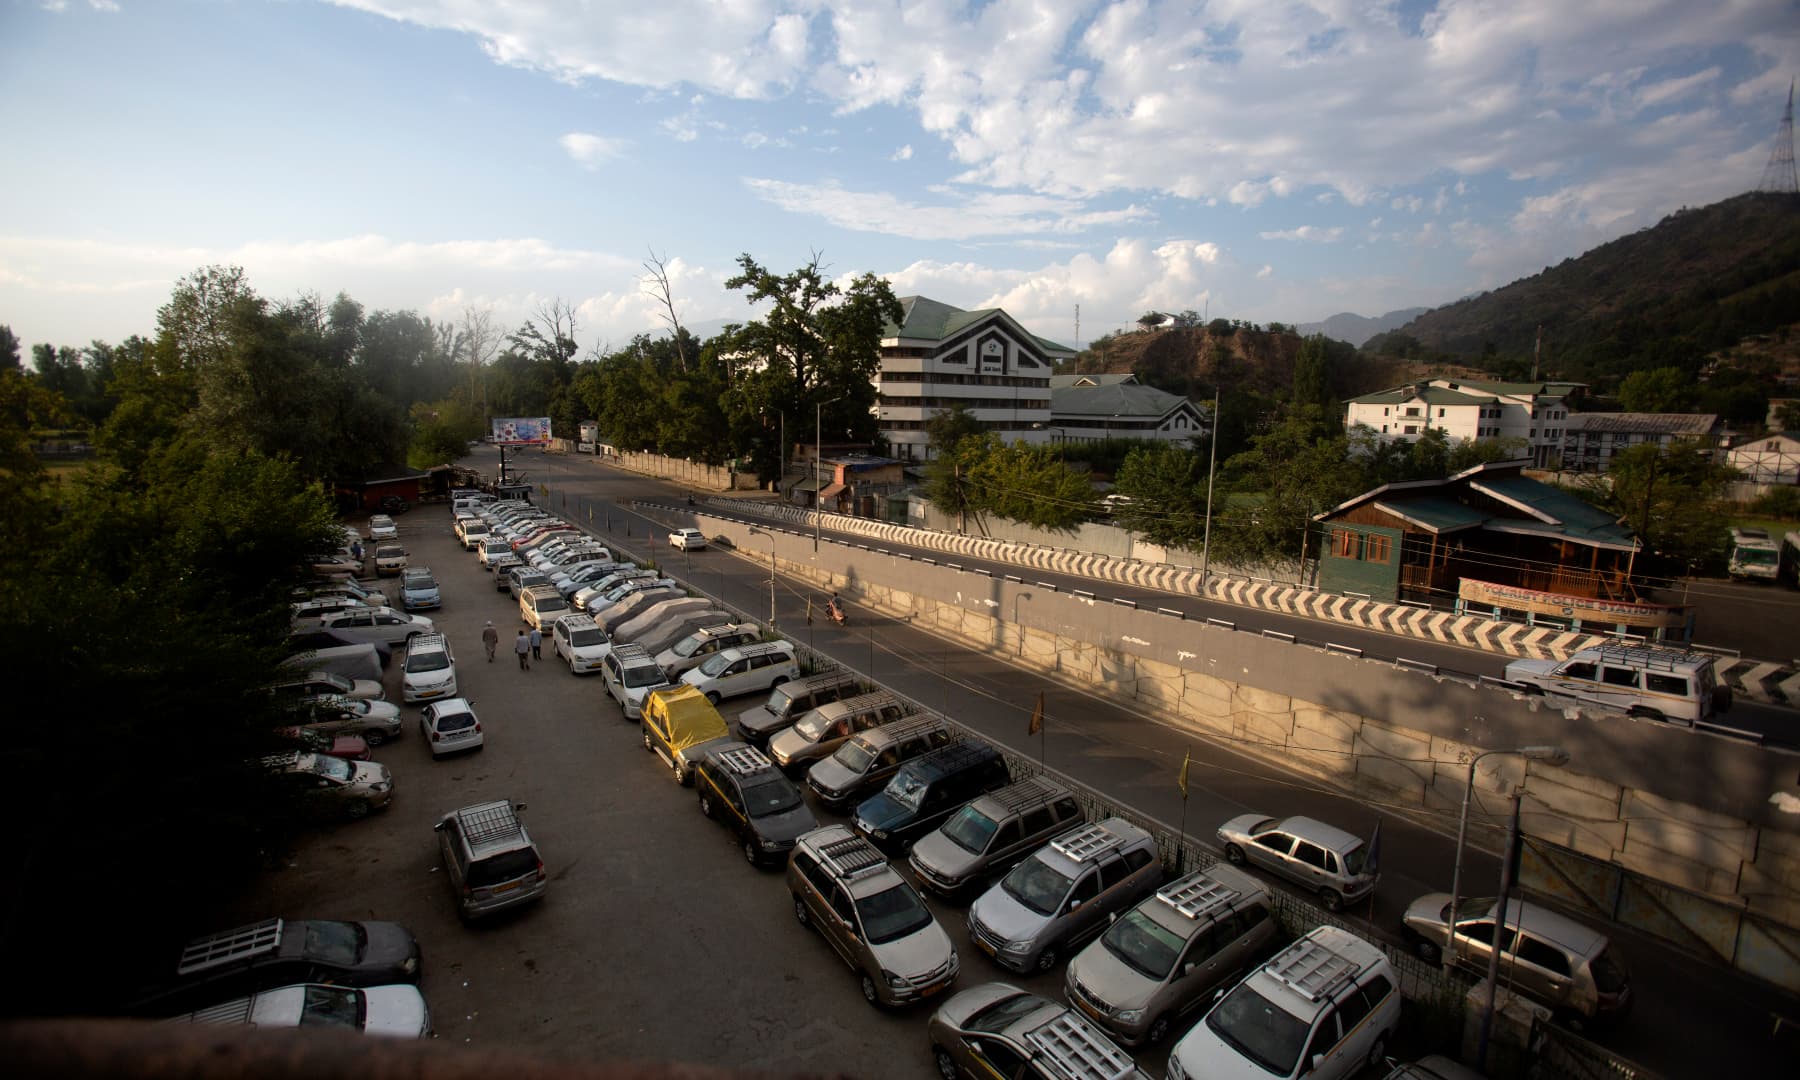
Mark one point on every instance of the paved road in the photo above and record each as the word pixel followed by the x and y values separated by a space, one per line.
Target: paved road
pixel 1135 757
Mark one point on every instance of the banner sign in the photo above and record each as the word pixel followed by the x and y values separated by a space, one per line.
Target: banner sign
pixel 522 430
pixel 1585 608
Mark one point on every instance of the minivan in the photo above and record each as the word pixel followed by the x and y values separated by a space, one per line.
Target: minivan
pixel 867 761
pixel 745 669
pixel 984 839
pixel 792 700
pixel 819 733
pixel 541 605
pixel 490 860
pixel 927 790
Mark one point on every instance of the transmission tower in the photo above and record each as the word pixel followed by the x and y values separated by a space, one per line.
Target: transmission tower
pixel 1779 175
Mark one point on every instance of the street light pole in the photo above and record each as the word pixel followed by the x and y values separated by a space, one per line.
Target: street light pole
pixel 771 539
pixel 818 460
pixel 1555 755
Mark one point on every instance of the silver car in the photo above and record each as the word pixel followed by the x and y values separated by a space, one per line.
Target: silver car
pixel 1325 859
pixel 1168 957
pixel 380 624
pixel 1064 894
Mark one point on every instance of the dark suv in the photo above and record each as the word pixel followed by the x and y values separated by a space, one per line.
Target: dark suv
pixel 279 952
pixel 756 801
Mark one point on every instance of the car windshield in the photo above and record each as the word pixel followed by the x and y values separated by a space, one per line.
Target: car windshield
pixel 1356 859
pixel 1143 944
pixel 970 830
pixel 644 675
pixel 780 701
pixel 504 867
pixel 812 725
pixel 337 943
pixel 421 584
pixel 332 1006
pixel 551 603
pixel 591 635
pixel 387 552
pixel 435 660
pixel 906 788
pixel 334 767
pixel 455 721
pixel 854 756
pixel 1004 1014
pixel 336 682
pixel 892 914
pixel 771 797
pixel 1037 885
pixel 686 646
pixel 1259 1029
pixel 716 663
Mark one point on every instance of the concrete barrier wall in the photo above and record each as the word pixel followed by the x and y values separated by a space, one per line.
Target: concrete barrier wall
pixel 692 473
pixel 1699 811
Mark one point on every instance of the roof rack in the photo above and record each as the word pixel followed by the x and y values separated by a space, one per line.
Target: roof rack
pixel 631 651
pixel 494 821
pixel 285 760
pixel 1076 1051
pixel 1312 969
pixel 426 640
pixel 1196 895
pixel 213 950
pixel 904 726
pixel 744 760
pixel 1650 657
pixel 852 857
pixel 1086 841
pixel 1027 793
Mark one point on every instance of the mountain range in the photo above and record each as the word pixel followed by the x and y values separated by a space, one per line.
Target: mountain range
pixel 1357 329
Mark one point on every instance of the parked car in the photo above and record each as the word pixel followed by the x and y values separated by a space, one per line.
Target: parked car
pixel 744 669
pixel 867 761
pixel 818 734
pixel 928 790
pixel 1171 954
pixel 278 952
pixel 995 1030
pixel 871 916
pixel 792 700
pixel 332 639
pixel 687 539
pixel 1547 956
pixel 339 745
pixel 375 721
pixel 390 559
pixel 580 642
pixel 743 789
pixel 382 527
pixel 380 624
pixel 429 671
pixel 679 727
pixel 1434 1067
pixel 419 590
pixel 320 683
pixel 522 577
pixel 630 674
pixel 332 785
pixel 1325 1008
pixel 981 841
pixel 502 566
pixel 490 860
pixel 358 660
pixel 392 1011
pixel 450 727
pixel 1064 894
pixel 1325 859
pixel 691 650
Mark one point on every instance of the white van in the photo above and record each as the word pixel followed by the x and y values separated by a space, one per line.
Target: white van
pixel 1660 684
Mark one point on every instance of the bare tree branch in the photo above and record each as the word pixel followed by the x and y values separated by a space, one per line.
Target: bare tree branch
pixel 659 287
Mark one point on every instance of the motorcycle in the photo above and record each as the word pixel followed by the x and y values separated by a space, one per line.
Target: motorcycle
pixel 836 612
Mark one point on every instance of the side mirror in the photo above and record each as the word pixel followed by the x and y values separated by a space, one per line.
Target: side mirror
pixel 1075 905
pixel 518 806
pixel 439 827
pixel 1188 968
pixel 1317 1060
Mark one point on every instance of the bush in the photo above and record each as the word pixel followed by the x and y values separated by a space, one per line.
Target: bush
pixel 1782 502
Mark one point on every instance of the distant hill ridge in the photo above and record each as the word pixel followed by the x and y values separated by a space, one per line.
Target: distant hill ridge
pixel 1356 329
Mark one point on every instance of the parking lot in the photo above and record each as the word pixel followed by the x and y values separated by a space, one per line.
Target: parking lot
pixel 656 941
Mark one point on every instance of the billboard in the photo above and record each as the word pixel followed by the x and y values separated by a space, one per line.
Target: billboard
pixel 522 430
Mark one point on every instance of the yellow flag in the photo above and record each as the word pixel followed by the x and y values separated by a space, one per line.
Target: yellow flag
pixel 1037 716
pixel 1186 760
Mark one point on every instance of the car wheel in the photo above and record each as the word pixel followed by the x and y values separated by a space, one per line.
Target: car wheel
pixel 1644 712
pixel 706 806
pixel 800 914
pixel 713 697
pixel 752 855
pixel 1332 899
pixel 1428 951
pixel 1234 855
pixel 1046 960
pixel 681 776
pixel 1378 1053
pixel 374 738
pixel 870 993
pixel 357 810
pixel 778 681
pixel 1157 1031
pixel 946 1065
pixel 648 745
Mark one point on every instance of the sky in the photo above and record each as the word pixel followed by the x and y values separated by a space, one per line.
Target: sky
pixel 1077 163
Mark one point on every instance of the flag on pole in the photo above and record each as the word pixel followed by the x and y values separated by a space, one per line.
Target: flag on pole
pixel 1037 716
pixel 1372 861
pixel 1186 760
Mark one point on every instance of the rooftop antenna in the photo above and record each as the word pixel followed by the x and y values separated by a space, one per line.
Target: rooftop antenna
pixel 1779 176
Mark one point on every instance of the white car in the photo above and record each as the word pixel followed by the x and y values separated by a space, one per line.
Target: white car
pixel 379 624
pixel 382 527
pixel 450 727
pixel 375 721
pixel 429 671
pixel 397 1011
pixel 687 539
pixel 580 641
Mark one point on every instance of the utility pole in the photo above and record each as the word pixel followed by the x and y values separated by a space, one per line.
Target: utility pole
pixel 1212 467
pixel 1077 327
pixel 1537 352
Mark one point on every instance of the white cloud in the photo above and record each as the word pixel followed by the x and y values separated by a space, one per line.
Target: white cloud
pixel 1263 274
pixel 590 150
pixel 1312 233
pixel 903 154
pixel 962 214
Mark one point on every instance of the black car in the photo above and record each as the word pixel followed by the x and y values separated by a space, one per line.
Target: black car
pixel 332 639
pixel 281 952
pixel 926 791
pixel 742 788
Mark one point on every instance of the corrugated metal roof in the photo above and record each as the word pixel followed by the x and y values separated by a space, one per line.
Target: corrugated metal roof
pixel 1431 395
pixel 1058 382
pixel 1434 514
pixel 1645 423
pixel 1117 399
pixel 933 320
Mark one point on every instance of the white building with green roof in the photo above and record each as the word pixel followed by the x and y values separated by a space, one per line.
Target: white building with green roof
pixel 1536 414
pixel 1090 408
pixel 940 356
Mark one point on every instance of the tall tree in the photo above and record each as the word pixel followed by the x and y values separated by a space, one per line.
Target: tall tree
pixel 1659 390
pixel 1166 488
pixel 1672 498
pixel 9 349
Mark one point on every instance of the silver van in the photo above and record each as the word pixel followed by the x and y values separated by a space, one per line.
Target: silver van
pixel 863 765
pixel 985 838
pixel 1658 684
pixel 697 646
pixel 792 700
pixel 489 858
pixel 820 732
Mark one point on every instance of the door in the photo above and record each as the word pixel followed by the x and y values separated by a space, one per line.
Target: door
pixel 1308 864
pixel 994 1060
pixel 844 931
pixel 1200 968
pixel 1083 912
pixel 1540 969
pixel 1475 942
pixel 1270 850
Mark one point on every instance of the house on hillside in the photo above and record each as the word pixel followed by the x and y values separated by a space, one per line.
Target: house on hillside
pixel 1493 541
pixel 1471 409
pixel 1088 408
pixel 1592 440
pixel 940 356
pixel 1768 459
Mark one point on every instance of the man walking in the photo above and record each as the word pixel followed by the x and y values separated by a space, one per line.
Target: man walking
pixel 537 644
pixel 522 646
pixel 490 637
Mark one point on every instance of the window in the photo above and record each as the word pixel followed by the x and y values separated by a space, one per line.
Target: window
pixel 1325 1036
pixel 1376 990
pixel 1137 858
pixel 1280 843
pixel 1310 854
pixel 1352 1008
pixel 1346 544
pixel 843 905
pixel 1379 549
pixel 1113 872
pixel 1618 676
pixel 1541 954
pixel 1440 413
pixel 1582 670
pixel 1411 429
pixel 1038 820
pixel 1006 837
pixel 999 1057
pixel 1086 890
pixel 1666 684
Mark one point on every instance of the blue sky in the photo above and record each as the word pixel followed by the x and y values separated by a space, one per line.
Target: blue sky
pixel 1249 158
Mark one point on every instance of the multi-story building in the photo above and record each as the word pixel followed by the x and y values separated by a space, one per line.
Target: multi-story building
pixel 1591 440
pixel 1089 408
pixel 940 356
pixel 1534 413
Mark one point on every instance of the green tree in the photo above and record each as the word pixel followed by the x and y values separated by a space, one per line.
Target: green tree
pixel 1672 499
pixel 949 478
pixel 1032 485
pixel 1288 475
pixel 1659 390
pixel 946 428
pixel 1166 486
pixel 1313 377
pixel 9 349
pixel 1787 417
pixel 441 432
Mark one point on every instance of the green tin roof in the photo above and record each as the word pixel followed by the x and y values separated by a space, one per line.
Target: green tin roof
pixel 1437 506
pixel 1434 514
pixel 1118 399
pixel 933 320
pixel 1431 395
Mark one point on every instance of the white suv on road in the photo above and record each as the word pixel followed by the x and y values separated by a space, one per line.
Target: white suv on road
pixel 687 539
